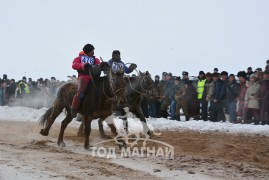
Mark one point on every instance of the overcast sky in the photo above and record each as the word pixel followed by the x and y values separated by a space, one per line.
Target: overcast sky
pixel 40 38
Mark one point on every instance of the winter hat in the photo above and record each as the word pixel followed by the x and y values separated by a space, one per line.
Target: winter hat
pixel 185 73
pixel 157 76
pixel 215 74
pixel 169 74
pixel 178 78
pixel 232 75
pixel 88 48
pixel 224 73
pixel 250 68
pixel 242 74
pixel 164 73
pixel 252 76
pixel 208 74
pixel 259 69
pixel 216 69
pixel 201 73
pixel 116 52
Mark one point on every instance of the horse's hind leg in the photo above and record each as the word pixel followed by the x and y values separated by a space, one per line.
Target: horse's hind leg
pixel 51 119
pixel 101 129
pixel 81 132
pixel 64 124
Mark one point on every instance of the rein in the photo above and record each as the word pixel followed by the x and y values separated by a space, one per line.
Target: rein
pixel 141 85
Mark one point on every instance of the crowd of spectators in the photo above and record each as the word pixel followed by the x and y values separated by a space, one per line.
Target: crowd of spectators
pixel 238 98
pixel 35 94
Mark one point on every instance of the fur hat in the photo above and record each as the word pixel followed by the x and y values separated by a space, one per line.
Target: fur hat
pixel 252 76
pixel 88 48
pixel 215 74
pixel 185 73
pixel 250 68
pixel 157 76
pixel 216 69
pixel 232 75
pixel 201 73
pixel 169 74
pixel 242 74
pixel 208 74
pixel 164 73
pixel 178 78
pixel 224 73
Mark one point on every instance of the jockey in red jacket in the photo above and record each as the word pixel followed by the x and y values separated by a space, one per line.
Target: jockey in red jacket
pixel 82 63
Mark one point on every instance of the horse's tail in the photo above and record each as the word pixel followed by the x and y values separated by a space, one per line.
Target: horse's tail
pixel 43 119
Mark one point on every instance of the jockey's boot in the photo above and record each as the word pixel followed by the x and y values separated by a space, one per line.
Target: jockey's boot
pixel 74 107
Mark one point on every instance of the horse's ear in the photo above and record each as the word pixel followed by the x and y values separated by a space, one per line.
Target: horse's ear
pixel 140 72
pixel 147 73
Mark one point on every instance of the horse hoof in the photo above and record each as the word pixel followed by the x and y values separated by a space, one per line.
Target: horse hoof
pixel 123 146
pixel 42 132
pixel 61 144
pixel 88 147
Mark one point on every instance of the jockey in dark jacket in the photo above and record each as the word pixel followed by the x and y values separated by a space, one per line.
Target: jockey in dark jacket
pixel 118 66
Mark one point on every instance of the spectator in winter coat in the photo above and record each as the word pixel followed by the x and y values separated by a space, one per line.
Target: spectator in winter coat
pixel 154 104
pixel 249 72
pixel 242 76
pixel 180 90
pixel 82 63
pixel 190 98
pixel 201 98
pixel 217 108
pixel 267 65
pixel 167 94
pixel 231 95
pixel 209 87
pixel 264 96
pixel 252 101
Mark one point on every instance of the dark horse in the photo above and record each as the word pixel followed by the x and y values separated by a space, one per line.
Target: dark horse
pixel 97 103
pixel 136 87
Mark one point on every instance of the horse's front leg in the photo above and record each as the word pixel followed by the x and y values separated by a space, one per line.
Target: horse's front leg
pixel 140 115
pixel 87 130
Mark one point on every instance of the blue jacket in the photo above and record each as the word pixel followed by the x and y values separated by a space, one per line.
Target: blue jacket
pixel 218 87
pixel 119 66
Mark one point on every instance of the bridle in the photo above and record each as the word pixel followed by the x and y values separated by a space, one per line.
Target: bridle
pixel 111 84
pixel 141 82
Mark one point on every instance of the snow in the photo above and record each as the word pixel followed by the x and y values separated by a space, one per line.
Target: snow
pixel 160 124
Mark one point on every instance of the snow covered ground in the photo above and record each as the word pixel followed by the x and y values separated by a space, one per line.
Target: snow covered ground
pixel 160 124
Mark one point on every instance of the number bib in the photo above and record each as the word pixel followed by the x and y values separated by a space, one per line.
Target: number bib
pixel 87 59
pixel 117 67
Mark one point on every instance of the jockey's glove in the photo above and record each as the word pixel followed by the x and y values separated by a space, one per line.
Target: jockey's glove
pixel 132 66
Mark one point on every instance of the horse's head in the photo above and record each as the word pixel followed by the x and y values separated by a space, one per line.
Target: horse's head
pixel 147 84
pixel 117 85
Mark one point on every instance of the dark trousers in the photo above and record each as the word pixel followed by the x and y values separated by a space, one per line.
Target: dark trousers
pixel 204 105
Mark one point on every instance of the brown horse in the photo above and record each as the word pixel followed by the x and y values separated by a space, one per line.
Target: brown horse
pixel 97 103
pixel 136 88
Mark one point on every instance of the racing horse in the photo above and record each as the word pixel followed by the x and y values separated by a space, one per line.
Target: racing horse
pixel 136 87
pixel 97 103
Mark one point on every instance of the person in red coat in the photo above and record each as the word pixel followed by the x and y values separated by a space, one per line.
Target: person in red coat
pixel 82 64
